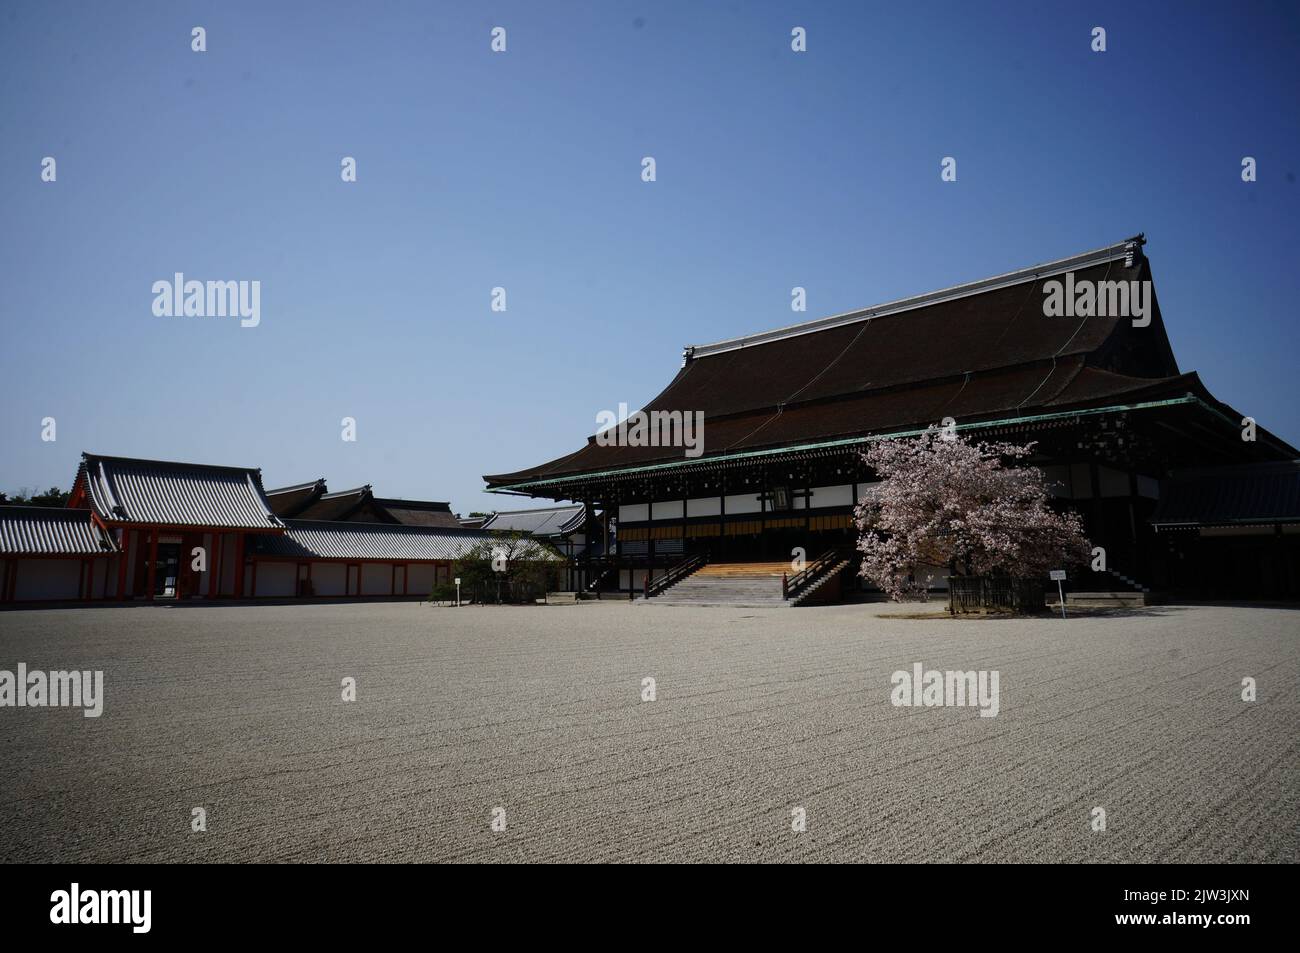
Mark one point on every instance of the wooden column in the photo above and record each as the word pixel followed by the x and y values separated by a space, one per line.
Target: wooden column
pixel 151 576
pixel 239 565
pixel 589 530
pixel 650 540
pixel 721 551
pixel 214 565
pixel 123 559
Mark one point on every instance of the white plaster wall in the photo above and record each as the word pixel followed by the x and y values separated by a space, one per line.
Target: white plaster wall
pixel 47 579
pixel 706 506
pixel 666 510
pixel 277 579
pixel 376 579
pixel 634 513
pixel 743 503
pixel 329 579
pixel 419 579
pixel 832 496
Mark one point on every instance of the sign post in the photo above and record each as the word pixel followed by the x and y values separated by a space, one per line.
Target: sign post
pixel 458 592
pixel 1058 575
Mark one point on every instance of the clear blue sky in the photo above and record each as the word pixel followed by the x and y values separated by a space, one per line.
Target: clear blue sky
pixel 522 170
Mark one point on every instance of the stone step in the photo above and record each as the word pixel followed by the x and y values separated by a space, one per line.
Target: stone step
pixel 749 589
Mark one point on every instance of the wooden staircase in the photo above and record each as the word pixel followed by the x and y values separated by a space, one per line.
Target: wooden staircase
pixel 752 585
pixel 830 580
pixel 744 570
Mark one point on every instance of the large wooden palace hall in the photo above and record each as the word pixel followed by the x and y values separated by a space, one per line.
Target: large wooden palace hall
pixel 1122 432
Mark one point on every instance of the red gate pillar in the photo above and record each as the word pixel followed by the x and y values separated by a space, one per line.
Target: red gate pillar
pixel 122 559
pixel 239 566
pixel 153 563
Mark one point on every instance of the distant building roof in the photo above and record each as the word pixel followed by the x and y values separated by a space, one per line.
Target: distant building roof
pixel 419 512
pixel 125 489
pixel 314 501
pixel 339 505
pixel 341 540
pixel 1252 493
pixel 51 531
pixel 544 521
pixel 292 500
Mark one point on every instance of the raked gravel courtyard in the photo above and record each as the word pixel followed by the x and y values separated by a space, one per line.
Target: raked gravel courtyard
pixel 539 711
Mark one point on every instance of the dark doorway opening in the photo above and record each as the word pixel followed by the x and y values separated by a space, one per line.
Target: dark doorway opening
pixel 167 570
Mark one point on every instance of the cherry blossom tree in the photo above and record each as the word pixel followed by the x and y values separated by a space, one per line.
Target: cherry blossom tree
pixel 945 501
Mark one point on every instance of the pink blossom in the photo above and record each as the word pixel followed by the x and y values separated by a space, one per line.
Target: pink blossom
pixel 946 502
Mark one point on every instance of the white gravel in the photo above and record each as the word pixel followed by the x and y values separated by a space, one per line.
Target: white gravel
pixel 538 710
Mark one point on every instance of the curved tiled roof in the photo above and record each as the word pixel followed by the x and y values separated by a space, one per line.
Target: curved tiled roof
pixel 47 531
pixel 980 350
pixel 545 521
pixel 125 489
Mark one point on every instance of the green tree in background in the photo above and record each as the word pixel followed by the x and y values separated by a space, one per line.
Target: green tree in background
pixel 28 497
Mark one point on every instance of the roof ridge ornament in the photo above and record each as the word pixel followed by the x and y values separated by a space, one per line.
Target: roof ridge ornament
pixel 1133 249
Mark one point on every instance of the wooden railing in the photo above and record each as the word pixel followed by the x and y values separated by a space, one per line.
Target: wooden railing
pixel 675 574
pixel 999 593
pixel 598 580
pixel 791 587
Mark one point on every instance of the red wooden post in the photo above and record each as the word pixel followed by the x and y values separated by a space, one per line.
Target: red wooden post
pixel 239 566
pixel 123 558
pixel 214 564
pixel 153 563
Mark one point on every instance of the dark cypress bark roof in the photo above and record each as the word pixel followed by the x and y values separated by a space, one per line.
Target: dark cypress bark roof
pixel 313 501
pixel 292 500
pixel 419 512
pixel 980 351
pixel 342 505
